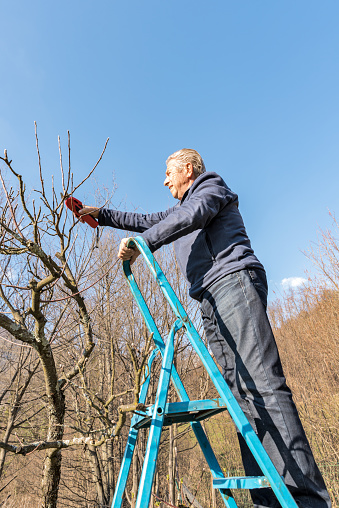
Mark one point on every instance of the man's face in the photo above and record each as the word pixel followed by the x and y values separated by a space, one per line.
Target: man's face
pixel 176 181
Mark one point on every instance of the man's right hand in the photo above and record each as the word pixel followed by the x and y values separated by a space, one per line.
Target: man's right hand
pixel 90 210
pixel 128 253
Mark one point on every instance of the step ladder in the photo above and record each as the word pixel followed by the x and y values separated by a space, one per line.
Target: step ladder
pixel 162 413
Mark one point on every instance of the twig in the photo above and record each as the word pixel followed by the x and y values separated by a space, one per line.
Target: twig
pixel 65 264
pixel 163 501
pixel 61 167
pixel 14 343
pixel 3 488
pixel 69 160
pixel 36 448
pixel 18 439
pixel 196 492
pixel 16 287
pixel 11 209
pixel 37 147
pixel 89 174
pixel 81 290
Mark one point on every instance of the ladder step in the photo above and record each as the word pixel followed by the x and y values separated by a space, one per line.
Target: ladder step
pixel 241 482
pixel 180 412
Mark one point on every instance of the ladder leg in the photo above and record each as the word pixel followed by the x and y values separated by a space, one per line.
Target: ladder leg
pixel 212 462
pixel 153 442
pixel 131 440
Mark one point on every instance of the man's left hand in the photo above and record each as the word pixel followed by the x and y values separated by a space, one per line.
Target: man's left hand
pixel 127 253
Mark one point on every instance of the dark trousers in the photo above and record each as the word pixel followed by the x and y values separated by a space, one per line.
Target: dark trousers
pixel 241 339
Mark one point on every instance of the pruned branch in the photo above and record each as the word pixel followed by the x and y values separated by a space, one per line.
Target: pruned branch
pixel 17 330
pixel 47 445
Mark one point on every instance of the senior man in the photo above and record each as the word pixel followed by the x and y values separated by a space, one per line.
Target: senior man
pixel 216 257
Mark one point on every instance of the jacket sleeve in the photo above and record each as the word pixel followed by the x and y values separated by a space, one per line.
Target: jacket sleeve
pixel 201 205
pixel 130 221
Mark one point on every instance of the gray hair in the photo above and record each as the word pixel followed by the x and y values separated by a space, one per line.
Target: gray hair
pixel 186 155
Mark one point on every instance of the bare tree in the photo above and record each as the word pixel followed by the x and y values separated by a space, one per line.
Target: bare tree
pixel 43 271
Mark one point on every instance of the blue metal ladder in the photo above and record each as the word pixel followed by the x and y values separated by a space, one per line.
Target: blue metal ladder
pixel 162 413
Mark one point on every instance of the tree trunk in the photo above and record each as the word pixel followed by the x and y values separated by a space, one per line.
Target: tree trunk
pixel 171 483
pixel 96 473
pixel 155 490
pixel 110 476
pixel 5 440
pixel 176 471
pixel 213 495
pixel 135 477
pixel 56 413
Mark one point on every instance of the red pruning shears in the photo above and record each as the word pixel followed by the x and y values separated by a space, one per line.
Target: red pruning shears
pixel 75 205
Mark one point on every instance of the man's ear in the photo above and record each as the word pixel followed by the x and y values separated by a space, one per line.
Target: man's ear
pixel 189 169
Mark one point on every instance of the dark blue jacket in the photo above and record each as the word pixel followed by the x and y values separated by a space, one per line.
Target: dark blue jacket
pixel 209 235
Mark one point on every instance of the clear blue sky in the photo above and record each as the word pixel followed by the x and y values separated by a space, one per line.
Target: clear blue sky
pixel 251 84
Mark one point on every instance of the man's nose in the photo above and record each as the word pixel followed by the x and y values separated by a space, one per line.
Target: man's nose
pixel 166 181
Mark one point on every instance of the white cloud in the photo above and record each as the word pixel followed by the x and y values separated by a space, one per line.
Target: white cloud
pixel 292 282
